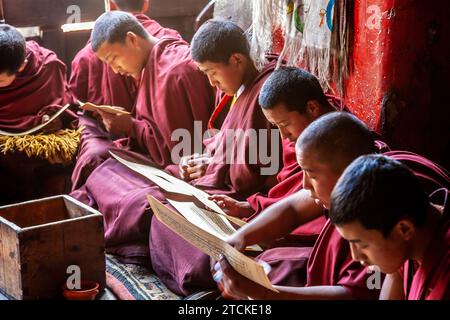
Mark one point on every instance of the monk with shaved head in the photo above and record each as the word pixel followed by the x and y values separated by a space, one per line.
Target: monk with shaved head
pixel 323 150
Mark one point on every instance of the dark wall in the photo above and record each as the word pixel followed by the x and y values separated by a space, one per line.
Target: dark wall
pixel 51 14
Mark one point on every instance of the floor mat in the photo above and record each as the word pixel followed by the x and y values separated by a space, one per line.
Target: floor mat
pixel 133 282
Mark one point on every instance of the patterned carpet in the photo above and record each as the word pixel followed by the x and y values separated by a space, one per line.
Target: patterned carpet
pixel 133 282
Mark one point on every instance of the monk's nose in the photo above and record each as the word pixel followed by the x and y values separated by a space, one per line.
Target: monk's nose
pixel 285 134
pixel 306 183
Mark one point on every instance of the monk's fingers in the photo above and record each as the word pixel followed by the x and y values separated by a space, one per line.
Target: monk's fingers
pixel 199 161
pixel 197 175
pixel 235 284
pixel 197 169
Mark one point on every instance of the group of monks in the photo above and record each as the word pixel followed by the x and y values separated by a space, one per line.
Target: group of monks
pixel 340 204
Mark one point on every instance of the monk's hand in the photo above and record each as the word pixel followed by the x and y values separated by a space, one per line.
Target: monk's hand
pixel 194 166
pixel 232 207
pixel 237 241
pixel 53 126
pixel 234 285
pixel 117 124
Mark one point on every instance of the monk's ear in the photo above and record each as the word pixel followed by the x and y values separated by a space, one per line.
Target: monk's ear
pixel 132 38
pixel 405 229
pixel 313 109
pixel 23 66
pixel 236 59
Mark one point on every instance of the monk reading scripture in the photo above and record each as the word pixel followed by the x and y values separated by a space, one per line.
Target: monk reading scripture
pixel 382 210
pixel 324 150
pixel 93 81
pixel 173 95
pixel 290 98
pixel 222 51
pixel 32 89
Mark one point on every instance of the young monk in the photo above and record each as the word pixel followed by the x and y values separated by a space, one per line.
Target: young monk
pixel 381 209
pixel 173 94
pixel 128 224
pixel 32 89
pixel 324 150
pixel 93 81
pixel 291 99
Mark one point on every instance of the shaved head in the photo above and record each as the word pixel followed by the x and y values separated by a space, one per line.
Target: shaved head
pixel 336 139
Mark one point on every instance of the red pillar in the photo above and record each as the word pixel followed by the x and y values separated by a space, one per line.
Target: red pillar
pixel 401 74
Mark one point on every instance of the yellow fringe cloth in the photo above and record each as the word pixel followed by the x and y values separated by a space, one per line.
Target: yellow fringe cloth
pixel 58 148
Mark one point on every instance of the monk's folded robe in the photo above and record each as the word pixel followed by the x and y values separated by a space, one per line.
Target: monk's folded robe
pixel 125 206
pixel 93 81
pixel 40 89
pixel 431 280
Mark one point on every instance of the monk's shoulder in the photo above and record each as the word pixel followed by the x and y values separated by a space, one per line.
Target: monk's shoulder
pixel 44 58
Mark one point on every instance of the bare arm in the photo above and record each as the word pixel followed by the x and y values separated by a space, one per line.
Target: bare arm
pixel 278 220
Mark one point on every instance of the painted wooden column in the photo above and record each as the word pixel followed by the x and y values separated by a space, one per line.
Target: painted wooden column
pixel 400 80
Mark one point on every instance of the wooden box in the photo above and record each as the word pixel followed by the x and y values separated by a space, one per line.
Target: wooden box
pixel 40 239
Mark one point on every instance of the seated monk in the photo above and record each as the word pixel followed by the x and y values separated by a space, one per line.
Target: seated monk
pixel 93 81
pixel 173 95
pixel 223 51
pixel 32 89
pixel 291 99
pixel 382 210
pixel 324 150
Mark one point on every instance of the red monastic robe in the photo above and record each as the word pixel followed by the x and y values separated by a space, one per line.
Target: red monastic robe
pixel 93 81
pixel 430 281
pixel 40 89
pixel 183 268
pixel 331 262
pixel 173 94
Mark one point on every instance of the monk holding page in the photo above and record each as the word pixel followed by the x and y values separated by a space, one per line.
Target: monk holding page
pixel 33 90
pixel 381 209
pixel 173 96
pixel 324 150
pixel 221 50
pixel 291 99
pixel 95 82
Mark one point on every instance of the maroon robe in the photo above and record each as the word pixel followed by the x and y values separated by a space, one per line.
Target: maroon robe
pixel 40 89
pixel 431 281
pixel 173 94
pixel 93 81
pixel 182 267
pixel 331 262
pixel 289 181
